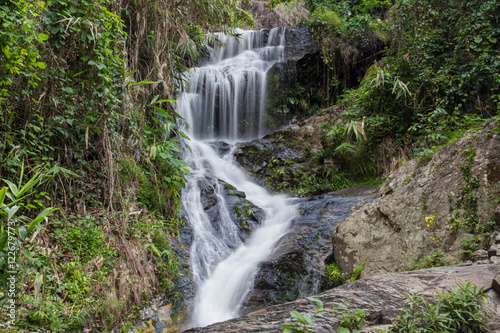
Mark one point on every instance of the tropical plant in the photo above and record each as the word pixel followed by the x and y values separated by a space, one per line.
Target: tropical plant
pixel 457 310
pixel 301 321
pixel 15 228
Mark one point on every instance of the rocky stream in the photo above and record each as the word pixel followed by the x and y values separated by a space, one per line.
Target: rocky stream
pixel 250 256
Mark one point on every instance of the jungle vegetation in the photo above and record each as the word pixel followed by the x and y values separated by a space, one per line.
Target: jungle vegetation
pixel 90 167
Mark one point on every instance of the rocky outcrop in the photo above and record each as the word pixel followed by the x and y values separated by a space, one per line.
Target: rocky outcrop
pixel 426 208
pixel 383 297
pixel 283 158
pixel 296 267
pixel 280 16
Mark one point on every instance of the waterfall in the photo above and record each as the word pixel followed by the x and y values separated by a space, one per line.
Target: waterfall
pixel 225 101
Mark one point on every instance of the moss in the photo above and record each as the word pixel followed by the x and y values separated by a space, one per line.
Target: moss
pixel 229 187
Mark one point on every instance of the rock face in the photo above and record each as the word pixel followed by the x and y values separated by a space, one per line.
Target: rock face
pixel 281 159
pixel 383 296
pixel 297 266
pixel 424 209
pixel 277 17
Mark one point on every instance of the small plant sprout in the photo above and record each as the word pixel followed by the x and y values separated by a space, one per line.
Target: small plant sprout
pixel 301 321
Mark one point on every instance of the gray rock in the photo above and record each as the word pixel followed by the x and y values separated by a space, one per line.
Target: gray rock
pixel 413 217
pixel 496 239
pixel 494 259
pixel 496 283
pixel 494 250
pixel 383 296
pixel 480 255
pixel 497 215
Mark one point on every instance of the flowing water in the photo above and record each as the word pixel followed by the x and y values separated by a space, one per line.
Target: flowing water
pixel 225 101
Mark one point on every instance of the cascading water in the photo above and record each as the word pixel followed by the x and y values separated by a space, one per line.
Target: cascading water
pixel 225 101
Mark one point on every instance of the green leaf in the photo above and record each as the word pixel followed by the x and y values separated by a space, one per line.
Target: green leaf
pixel 32 182
pixel 12 186
pixel 68 90
pixel 343 330
pixel 3 238
pixel 155 99
pixel 183 135
pixel 12 211
pixel 162 112
pixel 165 101
pixel 3 192
pixel 40 64
pixel 22 232
pixel 319 304
pixel 288 328
pixel 301 318
pixel 146 82
pixel 478 39
pixel 39 218
pixel 42 37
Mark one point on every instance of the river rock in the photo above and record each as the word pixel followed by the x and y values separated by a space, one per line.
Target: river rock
pixel 296 267
pixel 383 297
pixel 422 208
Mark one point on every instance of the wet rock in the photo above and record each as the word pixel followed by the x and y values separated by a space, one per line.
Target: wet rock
pixel 242 212
pixel 245 215
pixel 222 148
pixel 383 296
pixel 282 159
pixel 299 42
pixel 297 266
pixel 422 208
pixel 495 260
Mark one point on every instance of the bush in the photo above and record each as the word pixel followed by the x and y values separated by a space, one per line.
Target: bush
pixel 457 310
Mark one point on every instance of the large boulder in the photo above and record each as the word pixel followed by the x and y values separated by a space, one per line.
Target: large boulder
pixel 383 297
pixel 427 208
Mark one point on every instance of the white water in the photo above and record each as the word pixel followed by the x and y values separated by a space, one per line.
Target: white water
pixel 226 101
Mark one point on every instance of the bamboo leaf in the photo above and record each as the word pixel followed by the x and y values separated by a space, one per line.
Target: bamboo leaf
pixel 22 232
pixel 38 284
pixel 39 218
pixel 3 192
pixel 12 186
pixel 32 182
pixel 3 238
pixel 12 211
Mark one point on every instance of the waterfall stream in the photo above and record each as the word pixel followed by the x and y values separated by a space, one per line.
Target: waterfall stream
pixel 225 101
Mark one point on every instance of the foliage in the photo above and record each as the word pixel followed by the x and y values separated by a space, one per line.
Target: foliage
pixel 16 228
pixel 357 271
pixel 434 259
pixel 351 319
pixel 305 180
pixel 300 321
pixel 86 97
pixel 439 73
pixel 334 277
pixel 457 310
